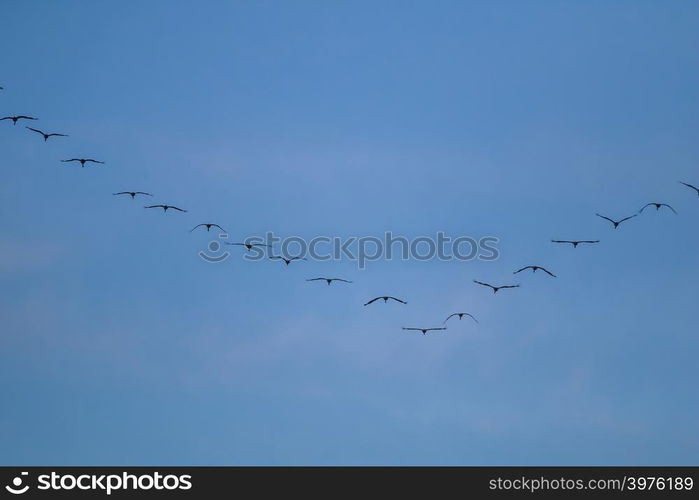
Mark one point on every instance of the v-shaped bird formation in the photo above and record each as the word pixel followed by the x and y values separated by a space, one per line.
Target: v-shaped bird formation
pixel 615 223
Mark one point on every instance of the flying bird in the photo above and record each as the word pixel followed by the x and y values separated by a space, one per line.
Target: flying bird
pixel 329 280
pixel 535 269
pixel 575 243
pixel 46 136
pixel 460 315
pixel 495 288
pixel 82 161
pixel 385 299
pixel 165 207
pixel 616 222
pixel 208 227
pixel 424 330
pixel 690 186
pixel 249 246
pixel 132 193
pixel 18 117
pixel 657 206
pixel 287 261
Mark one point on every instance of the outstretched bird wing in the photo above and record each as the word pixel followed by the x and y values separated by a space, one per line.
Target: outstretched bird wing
pixel 398 300
pixel 690 186
pixel 520 270
pixel 484 284
pixel 607 218
pixel 373 300
pixel 449 317
pixel 668 206
pixel 547 272
pixel 36 130
pixel 470 316
pixel 424 330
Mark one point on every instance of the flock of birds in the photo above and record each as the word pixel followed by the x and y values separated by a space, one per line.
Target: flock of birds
pixel 329 281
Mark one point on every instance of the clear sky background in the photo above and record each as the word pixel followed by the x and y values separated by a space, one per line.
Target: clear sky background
pixel 520 120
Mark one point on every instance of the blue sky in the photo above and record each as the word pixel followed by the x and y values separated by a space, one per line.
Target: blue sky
pixel 518 120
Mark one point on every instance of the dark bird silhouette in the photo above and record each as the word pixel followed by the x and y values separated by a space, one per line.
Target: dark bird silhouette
pixel 165 207
pixel 575 243
pixel 385 299
pixel 208 227
pixel 616 222
pixel 82 161
pixel 329 280
pixel 424 330
pixel 657 207
pixel 18 117
pixel 249 246
pixel 460 315
pixel 287 261
pixel 535 269
pixel 132 193
pixel 46 136
pixel 690 186
pixel 495 288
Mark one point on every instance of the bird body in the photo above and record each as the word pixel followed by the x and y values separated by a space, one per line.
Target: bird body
pixel 616 222
pixel 82 161
pixel 657 207
pixel 535 269
pixel 287 261
pixel 46 136
pixel 249 246
pixel 424 330
pixel 330 280
pixel 18 117
pixel 385 300
pixel 208 227
pixel 460 315
pixel 132 193
pixel 166 207
pixel 495 288
pixel 575 243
